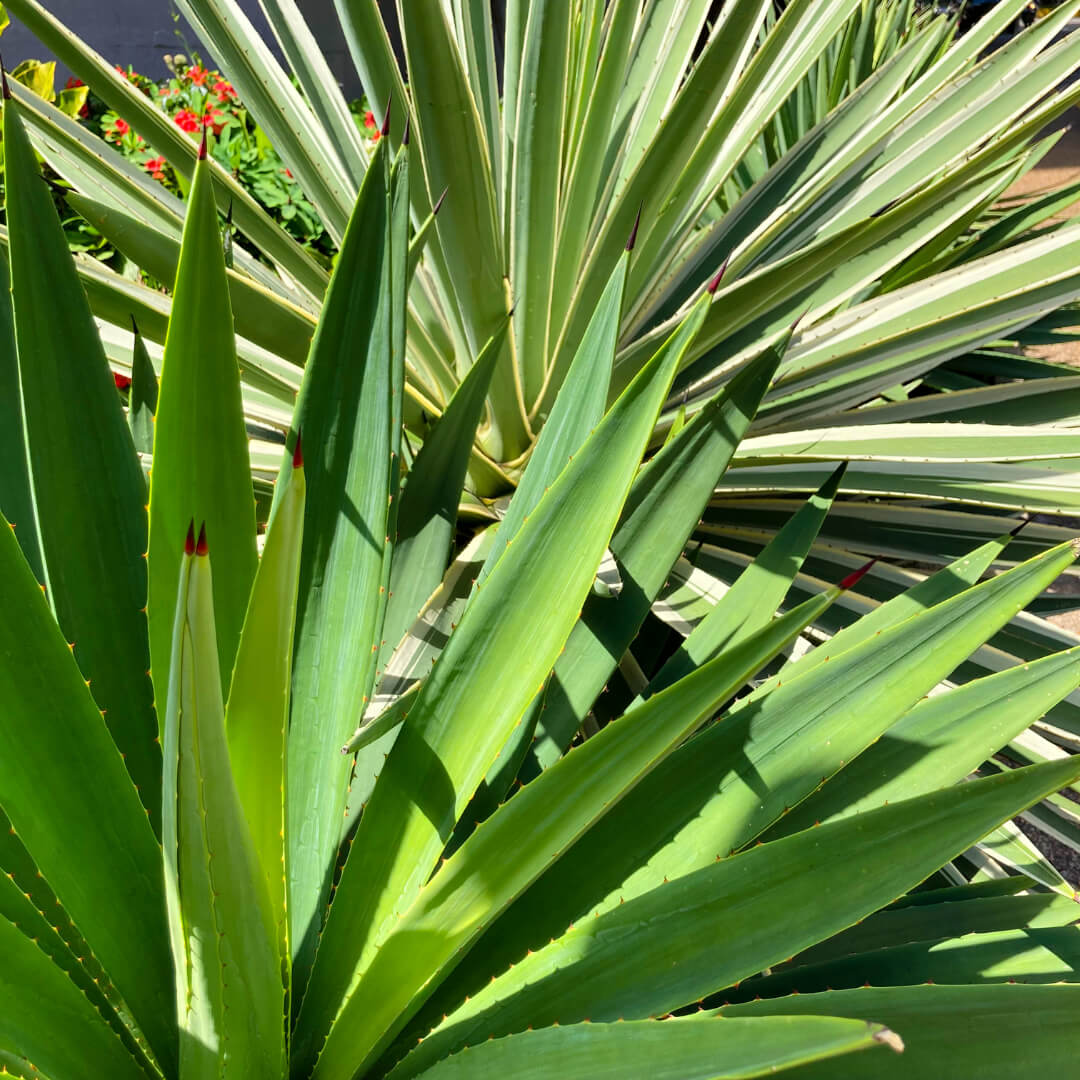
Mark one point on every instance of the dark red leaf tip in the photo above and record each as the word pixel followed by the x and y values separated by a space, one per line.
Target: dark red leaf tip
pixel 297 454
pixel 1017 529
pixel 3 78
pixel 201 548
pixel 435 209
pixel 202 145
pixel 795 324
pixel 408 130
pixel 715 283
pixel 853 579
pixel 386 118
pixel 189 543
pixel 634 231
pixel 134 326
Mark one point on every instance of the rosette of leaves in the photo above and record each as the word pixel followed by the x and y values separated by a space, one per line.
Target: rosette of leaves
pixel 507 870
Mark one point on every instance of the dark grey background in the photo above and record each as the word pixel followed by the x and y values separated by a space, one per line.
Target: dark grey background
pixel 140 32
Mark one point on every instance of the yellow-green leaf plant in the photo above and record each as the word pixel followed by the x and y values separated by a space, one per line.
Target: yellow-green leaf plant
pixel 589 776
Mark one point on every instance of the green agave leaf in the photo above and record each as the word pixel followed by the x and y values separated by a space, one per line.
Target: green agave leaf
pixel 707 798
pixel 661 512
pixel 575 414
pixel 143 397
pixel 476 884
pixel 345 411
pixel 934 915
pixel 257 714
pixel 201 468
pixel 20 909
pixel 262 317
pixel 1044 955
pixel 48 1018
pixel 997 1023
pixel 709 929
pixel 942 739
pixel 759 590
pixel 16 494
pixel 428 506
pixel 77 811
pixel 89 495
pixel 229 994
pixel 533 209
pixel 684 1049
pixel 437 761
pixel 456 158
pixel 308 64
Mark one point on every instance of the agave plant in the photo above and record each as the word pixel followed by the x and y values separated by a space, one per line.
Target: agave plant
pixel 199 882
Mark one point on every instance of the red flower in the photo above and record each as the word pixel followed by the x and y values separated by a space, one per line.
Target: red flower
pixel 224 90
pixel 73 83
pixel 198 75
pixel 288 173
pixel 84 112
pixel 122 381
pixel 155 167
pixel 369 121
pixel 186 120
pixel 120 127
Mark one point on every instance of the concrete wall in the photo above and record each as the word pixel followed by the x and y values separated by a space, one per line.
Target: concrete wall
pixel 140 32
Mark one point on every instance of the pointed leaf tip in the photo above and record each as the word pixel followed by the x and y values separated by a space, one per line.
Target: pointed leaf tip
pixel 3 78
pixel 297 454
pixel 795 324
pixel 386 118
pixel 435 208
pixel 189 543
pixel 1016 530
pixel 202 145
pixel 134 326
pixel 634 231
pixel 202 548
pixel 852 579
pixel 715 283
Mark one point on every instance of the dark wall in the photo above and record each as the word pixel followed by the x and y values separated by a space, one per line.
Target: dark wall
pixel 140 32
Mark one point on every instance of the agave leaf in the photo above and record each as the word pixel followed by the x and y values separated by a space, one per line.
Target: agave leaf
pixel 320 88
pixel 759 589
pixel 49 1018
pixel 576 412
pixel 16 494
pixel 942 739
pixel 457 159
pixel 1044 955
pixel 688 937
pixel 112 180
pixel 142 402
pixel 663 507
pixel 437 762
pixel 686 1049
pixel 535 182
pixel 90 837
pixel 201 468
pixel 994 1019
pixel 428 506
pixel 475 885
pixel 687 813
pixel 89 495
pixel 219 904
pixel 262 317
pixel 257 713
pixel 345 412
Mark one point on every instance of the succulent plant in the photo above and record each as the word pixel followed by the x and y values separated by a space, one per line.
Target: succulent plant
pixel 546 783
